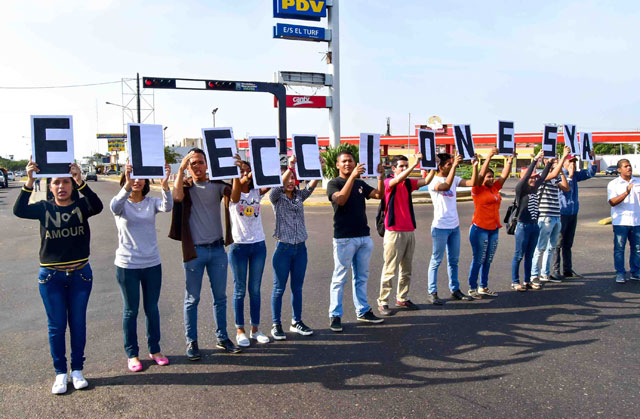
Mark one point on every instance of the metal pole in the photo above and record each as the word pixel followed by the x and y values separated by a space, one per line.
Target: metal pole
pixel 138 94
pixel 409 135
pixel 334 69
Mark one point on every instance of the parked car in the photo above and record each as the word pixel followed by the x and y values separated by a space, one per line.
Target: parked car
pixel 10 176
pixel 91 176
pixel 111 172
pixel 611 170
pixel 2 180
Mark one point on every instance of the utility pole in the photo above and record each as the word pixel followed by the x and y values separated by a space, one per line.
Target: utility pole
pixel 138 94
pixel 333 61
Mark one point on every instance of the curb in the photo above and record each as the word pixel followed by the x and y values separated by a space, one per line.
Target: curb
pixel 605 221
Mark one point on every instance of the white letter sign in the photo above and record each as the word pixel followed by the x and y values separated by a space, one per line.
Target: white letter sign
pixel 505 138
pixel 305 148
pixel 549 141
pixel 52 145
pixel 427 146
pixel 220 147
pixel 145 146
pixel 265 162
pixel 370 153
pixel 464 141
pixel 586 146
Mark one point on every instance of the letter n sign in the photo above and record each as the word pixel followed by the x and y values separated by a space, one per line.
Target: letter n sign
pixel 464 141
pixel 52 145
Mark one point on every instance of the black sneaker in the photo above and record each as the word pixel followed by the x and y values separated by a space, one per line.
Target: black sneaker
pixel 193 353
pixel 228 346
pixel 301 329
pixel 384 310
pixel 278 333
pixel 407 305
pixel 555 278
pixel 369 317
pixel 458 295
pixel 433 299
pixel 572 274
pixel 336 324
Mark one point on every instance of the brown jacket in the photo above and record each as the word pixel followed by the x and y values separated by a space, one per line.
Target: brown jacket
pixel 180 223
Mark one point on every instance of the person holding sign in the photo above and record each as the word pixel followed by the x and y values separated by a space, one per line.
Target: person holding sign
pixel 352 244
pixel 624 197
pixel 527 229
pixel 569 207
pixel 290 256
pixel 248 252
pixel 196 223
pixel 138 260
pixel 549 219
pixel 485 226
pixel 65 277
pixel 445 228
pixel 399 236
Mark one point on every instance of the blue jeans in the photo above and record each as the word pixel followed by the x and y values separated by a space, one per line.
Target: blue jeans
pixel 483 244
pixel 288 259
pixel 65 297
pixel 214 260
pixel 547 242
pixel 247 258
pixel 354 252
pixel 620 236
pixel 449 239
pixel 526 239
pixel 130 281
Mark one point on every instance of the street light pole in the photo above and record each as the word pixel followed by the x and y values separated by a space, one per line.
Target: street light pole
pixel 132 120
pixel 213 112
pixel 164 138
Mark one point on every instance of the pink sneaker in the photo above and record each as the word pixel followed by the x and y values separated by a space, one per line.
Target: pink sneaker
pixel 160 361
pixel 134 366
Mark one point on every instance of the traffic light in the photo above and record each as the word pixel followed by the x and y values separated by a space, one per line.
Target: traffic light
pixel 157 83
pixel 220 85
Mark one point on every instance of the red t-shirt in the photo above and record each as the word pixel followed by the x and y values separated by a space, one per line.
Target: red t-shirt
pixel 401 214
pixel 487 206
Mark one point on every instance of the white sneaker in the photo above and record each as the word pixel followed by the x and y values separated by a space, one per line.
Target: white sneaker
pixel 260 337
pixel 242 340
pixel 78 380
pixel 60 385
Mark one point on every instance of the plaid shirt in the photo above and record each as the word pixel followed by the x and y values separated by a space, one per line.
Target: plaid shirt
pixel 289 213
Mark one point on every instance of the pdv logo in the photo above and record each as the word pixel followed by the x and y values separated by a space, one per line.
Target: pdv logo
pixel 300 9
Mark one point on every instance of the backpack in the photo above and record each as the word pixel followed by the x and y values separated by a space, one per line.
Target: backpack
pixel 383 207
pixel 511 217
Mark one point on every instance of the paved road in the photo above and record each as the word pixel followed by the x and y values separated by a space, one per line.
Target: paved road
pixel 567 351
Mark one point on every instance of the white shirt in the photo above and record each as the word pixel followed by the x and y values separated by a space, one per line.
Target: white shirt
pixel 246 218
pixel 626 213
pixel 445 209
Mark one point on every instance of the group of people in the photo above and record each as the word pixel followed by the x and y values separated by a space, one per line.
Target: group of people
pixel 546 210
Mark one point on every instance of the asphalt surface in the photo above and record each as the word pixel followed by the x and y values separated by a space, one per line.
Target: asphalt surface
pixel 570 350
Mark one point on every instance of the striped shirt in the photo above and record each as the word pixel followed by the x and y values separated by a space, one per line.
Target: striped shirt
pixel 549 196
pixel 289 213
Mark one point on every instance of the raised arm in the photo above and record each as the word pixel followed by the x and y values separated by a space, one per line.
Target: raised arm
pixel 402 176
pixel 94 203
pixel 485 166
pixel 378 193
pixel 427 179
pixel 506 170
pixel 236 188
pixel 564 184
pixel 118 201
pixel 166 203
pixel 340 198
pixel 446 185
pixel 474 173
pixel 178 184
pixel 22 208
pixel 556 170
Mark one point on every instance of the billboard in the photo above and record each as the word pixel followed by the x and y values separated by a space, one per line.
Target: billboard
pixel 301 101
pixel 300 9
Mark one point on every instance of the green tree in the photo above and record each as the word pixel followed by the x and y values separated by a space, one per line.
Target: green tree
pixel 330 155
pixel 608 148
pixel 171 156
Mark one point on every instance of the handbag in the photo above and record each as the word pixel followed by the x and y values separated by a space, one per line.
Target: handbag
pixel 382 209
pixel 511 217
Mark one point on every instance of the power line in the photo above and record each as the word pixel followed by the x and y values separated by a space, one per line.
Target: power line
pixel 60 87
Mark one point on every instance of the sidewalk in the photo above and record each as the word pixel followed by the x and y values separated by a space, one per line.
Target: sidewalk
pixel 319 196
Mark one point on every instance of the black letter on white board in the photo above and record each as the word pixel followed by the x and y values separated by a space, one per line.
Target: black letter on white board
pixel 136 156
pixel 585 138
pixel 464 141
pixel 570 138
pixel 42 145
pixel 427 147
pixel 216 153
pixel 256 159
pixel 549 140
pixel 298 152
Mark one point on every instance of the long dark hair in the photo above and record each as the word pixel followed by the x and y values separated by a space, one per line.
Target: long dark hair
pixel 145 188
pixel 75 195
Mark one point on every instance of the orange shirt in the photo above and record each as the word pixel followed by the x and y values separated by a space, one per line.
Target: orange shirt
pixel 487 206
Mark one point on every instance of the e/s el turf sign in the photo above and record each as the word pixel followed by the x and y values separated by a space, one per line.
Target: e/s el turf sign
pixel 300 9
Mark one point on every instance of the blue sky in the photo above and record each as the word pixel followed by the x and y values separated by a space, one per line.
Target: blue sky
pixel 468 62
